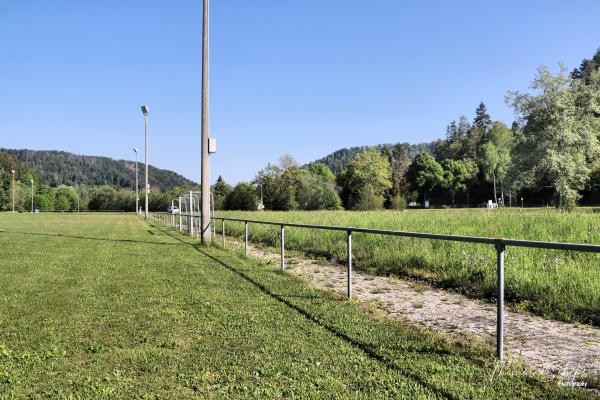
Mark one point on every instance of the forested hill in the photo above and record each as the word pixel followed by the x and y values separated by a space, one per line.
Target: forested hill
pixel 62 168
pixel 339 160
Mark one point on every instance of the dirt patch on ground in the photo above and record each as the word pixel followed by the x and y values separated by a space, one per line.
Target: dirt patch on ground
pixel 562 350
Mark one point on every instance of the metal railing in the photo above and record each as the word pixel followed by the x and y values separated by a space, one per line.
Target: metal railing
pixel 499 244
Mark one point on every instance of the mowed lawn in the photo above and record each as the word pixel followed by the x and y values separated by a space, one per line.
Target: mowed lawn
pixel 107 306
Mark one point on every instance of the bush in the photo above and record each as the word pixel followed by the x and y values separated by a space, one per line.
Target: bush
pixel 398 203
pixel 243 197
pixel 369 201
pixel 317 194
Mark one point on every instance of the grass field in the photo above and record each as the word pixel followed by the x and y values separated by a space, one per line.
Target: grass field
pixel 564 285
pixel 106 306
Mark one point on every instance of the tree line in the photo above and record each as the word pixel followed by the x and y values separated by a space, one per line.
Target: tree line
pixel 70 198
pixel 549 155
pixel 62 168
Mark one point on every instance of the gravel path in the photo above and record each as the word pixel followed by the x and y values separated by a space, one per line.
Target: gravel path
pixel 561 350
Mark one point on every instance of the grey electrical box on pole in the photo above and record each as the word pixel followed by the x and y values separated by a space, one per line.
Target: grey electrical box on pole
pixel 212 145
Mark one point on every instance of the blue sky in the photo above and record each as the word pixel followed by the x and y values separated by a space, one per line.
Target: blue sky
pixel 302 77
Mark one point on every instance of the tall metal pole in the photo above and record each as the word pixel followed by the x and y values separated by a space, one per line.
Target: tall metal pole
pixel 205 160
pixel 32 196
pixel 13 189
pixel 137 189
pixel 146 162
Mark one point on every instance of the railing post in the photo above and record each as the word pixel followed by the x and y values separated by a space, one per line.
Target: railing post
pixel 245 238
pixel 223 231
pixel 180 211
pixel 349 248
pixel 191 211
pixel 282 266
pixel 500 247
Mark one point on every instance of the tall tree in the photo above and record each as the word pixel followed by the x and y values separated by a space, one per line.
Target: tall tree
pixel 366 180
pixel 316 193
pixel 426 173
pixel 482 120
pixel 287 189
pixel 66 199
pixel 242 197
pixel 452 147
pixel 456 176
pixel 495 157
pixel 322 171
pixel 287 161
pixel 400 161
pixel 266 179
pixel 452 131
pixel 220 192
pixel 460 147
pixel 587 68
pixel 559 138
pixel 463 128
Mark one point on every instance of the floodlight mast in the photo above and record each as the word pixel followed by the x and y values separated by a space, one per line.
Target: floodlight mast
pixel 145 112
pixel 205 158
pixel 137 190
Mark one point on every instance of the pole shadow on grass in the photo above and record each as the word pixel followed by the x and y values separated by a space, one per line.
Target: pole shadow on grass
pixel 365 348
pixel 91 238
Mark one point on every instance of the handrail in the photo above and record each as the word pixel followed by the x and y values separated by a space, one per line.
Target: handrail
pixel 499 243
pixel 591 248
pixel 583 247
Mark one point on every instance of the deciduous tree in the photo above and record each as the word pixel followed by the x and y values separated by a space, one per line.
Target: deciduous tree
pixel 366 180
pixel 559 139
pixel 426 173
pixel 495 157
pixel 456 176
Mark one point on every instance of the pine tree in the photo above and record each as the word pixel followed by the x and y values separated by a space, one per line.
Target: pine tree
pixel 451 131
pixel 482 120
pixel 587 68
pixel 463 128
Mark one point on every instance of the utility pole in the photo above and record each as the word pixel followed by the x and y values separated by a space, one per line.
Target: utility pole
pixel 205 160
pixel 145 111
pixel 13 189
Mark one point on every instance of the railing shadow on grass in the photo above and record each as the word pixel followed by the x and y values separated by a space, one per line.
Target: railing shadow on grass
pixel 365 348
pixel 90 238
